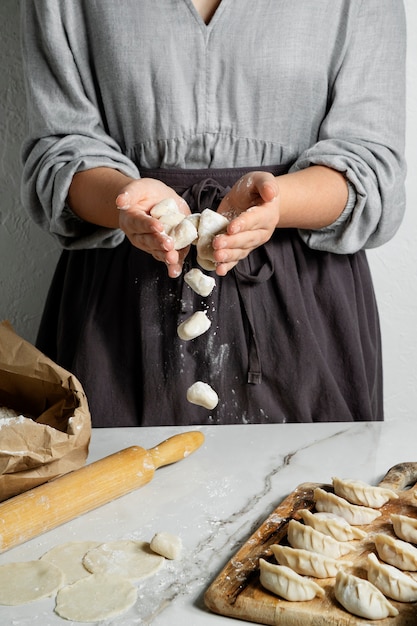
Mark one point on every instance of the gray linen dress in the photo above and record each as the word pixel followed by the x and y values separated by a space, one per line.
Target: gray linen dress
pixel 143 85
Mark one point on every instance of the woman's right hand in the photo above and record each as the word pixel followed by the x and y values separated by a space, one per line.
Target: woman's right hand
pixel 135 202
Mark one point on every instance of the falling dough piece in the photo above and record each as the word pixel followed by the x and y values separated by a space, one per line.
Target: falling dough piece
pixel 27 581
pixel 132 559
pixel 199 282
pixel 98 597
pixel 68 557
pixel 197 324
pixel 202 394
pixel 167 545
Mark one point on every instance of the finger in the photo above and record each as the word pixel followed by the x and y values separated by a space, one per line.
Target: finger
pixel 223 268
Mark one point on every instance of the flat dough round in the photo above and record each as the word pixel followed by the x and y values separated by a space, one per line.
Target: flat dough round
pixel 68 557
pixel 132 559
pixel 28 581
pixel 97 597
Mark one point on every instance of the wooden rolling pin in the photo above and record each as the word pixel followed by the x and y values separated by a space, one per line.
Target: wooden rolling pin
pixel 45 507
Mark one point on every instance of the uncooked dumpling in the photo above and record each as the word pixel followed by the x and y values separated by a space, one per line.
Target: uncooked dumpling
pixel 68 557
pixel 98 597
pixel 27 581
pixel 362 598
pixel 354 514
pixel 286 583
pixel 306 538
pixel 396 552
pixel 132 559
pixel 332 525
pixel 391 581
pixel 306 562
pixel 359 492
pixel 405 527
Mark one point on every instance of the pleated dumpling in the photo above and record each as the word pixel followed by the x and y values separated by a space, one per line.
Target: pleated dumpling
pixel 332 525
pixel 306 538
pixel 286 583
pixel 396 552
pixel 391 581
pixel 308 563
pixel 362 598
pixel 405 527
pixel 359 492
pixel 353 513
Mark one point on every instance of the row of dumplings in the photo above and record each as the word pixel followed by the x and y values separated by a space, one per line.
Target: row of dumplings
pixel 319 547
pixel 198 229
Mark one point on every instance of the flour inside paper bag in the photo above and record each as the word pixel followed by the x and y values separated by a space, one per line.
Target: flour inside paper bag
pixel 46 427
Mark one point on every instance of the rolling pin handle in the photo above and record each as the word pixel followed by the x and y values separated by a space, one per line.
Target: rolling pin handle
pixel 176 448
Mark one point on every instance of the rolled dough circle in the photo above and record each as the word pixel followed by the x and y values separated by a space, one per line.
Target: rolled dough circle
pixel 97 597
pixel 28 581
pixel 68 557
pixel 132 559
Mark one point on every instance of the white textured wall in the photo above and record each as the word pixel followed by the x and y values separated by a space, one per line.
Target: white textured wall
pixel 28 256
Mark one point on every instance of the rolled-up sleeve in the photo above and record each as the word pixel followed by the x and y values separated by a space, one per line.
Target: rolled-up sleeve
pixel 65 130
pixel 363 133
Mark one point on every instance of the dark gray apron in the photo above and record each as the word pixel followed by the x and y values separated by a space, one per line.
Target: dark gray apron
pixel 294 337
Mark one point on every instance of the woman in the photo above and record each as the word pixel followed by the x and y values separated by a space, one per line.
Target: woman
pixel 288 118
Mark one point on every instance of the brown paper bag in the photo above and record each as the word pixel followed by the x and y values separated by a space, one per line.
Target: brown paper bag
pixel 51 434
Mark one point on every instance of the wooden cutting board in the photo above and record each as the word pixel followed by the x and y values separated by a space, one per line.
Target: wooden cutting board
pixel 236 592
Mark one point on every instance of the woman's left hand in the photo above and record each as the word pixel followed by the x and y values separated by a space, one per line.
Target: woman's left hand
pixel 253 205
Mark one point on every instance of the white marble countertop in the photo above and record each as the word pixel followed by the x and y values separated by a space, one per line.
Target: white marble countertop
pixel 213 500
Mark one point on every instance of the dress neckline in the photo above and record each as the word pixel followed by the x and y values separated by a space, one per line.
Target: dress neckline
pixel 208 25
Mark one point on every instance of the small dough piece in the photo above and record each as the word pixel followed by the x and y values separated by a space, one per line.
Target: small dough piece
pixel 98 597
pixel 197 324
pixel 354 514
pixel 28 581
pixel 396 552
pixel 282 581
pixel 359 492
pixel 362 598
pixel 308 563
pixel 405 527
pixel 211 224
pixel 202 394
pixel 306 538
pixel 391 581
pixel 332 525
pixel 168 206
pixel 183 234
pixel 167 545
pixel 132 559
pixel 68 558
pixel 199 282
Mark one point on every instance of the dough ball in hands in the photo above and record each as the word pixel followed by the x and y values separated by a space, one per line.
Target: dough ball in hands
pixel 202 394
pixel 183 234
pixel 211 224
pixel 167 545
